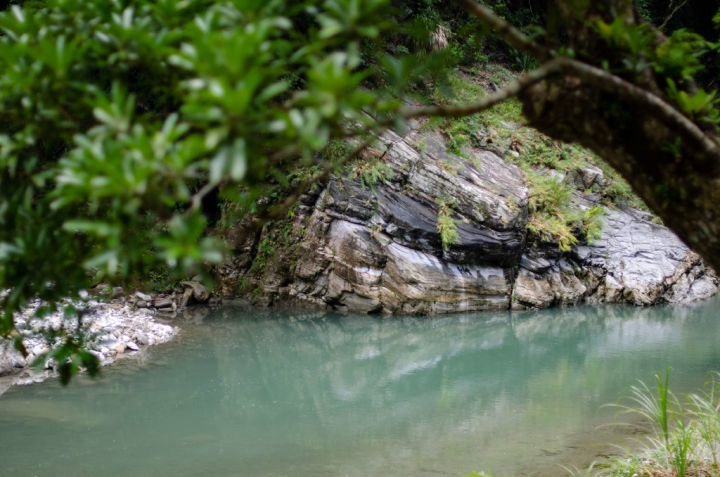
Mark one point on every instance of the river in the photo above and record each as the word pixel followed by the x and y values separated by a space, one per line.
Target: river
pixel 306 394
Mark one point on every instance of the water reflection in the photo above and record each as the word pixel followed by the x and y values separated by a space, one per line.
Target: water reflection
pixel 322 394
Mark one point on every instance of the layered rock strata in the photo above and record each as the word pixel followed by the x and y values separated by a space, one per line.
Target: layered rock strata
pixel 377 249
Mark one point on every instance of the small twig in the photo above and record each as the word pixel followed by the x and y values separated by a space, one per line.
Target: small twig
pixel 512 89
pixel 506 31
pixel 196 200
pixel 669 17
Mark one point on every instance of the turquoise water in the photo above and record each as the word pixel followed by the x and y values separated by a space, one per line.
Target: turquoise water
pixel 248 393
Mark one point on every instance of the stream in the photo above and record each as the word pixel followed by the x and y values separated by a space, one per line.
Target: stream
pixel 314 394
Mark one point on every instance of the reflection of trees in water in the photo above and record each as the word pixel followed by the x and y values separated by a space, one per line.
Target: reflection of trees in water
pixel 332 378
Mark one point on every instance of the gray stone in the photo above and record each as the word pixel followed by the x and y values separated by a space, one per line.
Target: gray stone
pixel 186 297
pixel 379 250
pixel 163 303
pixel 587 177
pixel 143 296
pixel 634 262
pixel 534 263
pixel 10 359
pixel 199 292
pixel 142 338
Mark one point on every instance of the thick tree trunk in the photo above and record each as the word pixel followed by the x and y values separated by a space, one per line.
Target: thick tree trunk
pixel 677 178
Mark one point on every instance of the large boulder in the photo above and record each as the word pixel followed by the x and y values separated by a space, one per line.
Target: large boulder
pixel 378 250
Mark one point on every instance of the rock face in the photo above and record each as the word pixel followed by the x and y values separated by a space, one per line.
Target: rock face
pixel 377 249
pixel 635 262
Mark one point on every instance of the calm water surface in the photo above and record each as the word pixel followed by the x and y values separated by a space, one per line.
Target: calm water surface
pixel 247 393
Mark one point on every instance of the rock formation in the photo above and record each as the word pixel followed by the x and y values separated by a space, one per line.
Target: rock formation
pixel 376 248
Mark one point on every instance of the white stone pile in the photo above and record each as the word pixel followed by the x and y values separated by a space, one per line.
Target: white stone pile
pixel 112 330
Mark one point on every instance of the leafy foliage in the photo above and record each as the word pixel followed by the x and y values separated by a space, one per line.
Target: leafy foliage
pixel 118 117
pixel 675 63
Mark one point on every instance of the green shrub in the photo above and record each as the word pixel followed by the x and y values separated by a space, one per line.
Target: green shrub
pixel 119 117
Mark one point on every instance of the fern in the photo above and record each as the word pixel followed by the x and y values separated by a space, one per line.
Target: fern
pixel 592 224
pixel 371 173
pixel 446 226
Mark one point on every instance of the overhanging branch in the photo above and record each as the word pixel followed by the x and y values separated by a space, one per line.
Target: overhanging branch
pixel 512 89
pixel 627 91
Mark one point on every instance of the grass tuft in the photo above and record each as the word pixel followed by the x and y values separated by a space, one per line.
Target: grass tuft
pixel 687 432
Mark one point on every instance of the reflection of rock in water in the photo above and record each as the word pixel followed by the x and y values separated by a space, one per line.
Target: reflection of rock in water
pixel 194 314
pixel 490 371
pixel 279 393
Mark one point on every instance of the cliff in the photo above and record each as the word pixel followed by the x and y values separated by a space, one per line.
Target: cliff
pixel 376 248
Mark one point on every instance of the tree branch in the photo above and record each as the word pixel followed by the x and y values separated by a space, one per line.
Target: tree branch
pixel 197 198
pixel 672 14
pixel 506 31
pixel 510 90
pixel 634 94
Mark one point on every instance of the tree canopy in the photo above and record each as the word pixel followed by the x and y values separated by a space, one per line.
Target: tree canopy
pixel 120 117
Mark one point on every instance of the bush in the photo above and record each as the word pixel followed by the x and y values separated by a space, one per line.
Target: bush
pixel 119 117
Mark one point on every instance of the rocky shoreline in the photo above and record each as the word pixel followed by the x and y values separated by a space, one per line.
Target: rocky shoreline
pixel 115 324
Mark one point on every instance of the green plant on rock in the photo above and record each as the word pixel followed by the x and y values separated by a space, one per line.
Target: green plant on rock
pixel 551 218
pixel 592 224
pixel 446 226
pixel 371 172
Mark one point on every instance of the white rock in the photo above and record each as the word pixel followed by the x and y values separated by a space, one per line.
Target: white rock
pixel 143 296
pixel 39 349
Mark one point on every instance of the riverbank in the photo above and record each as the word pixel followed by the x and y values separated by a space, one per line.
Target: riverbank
pixel 685 438
pixel 113 328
